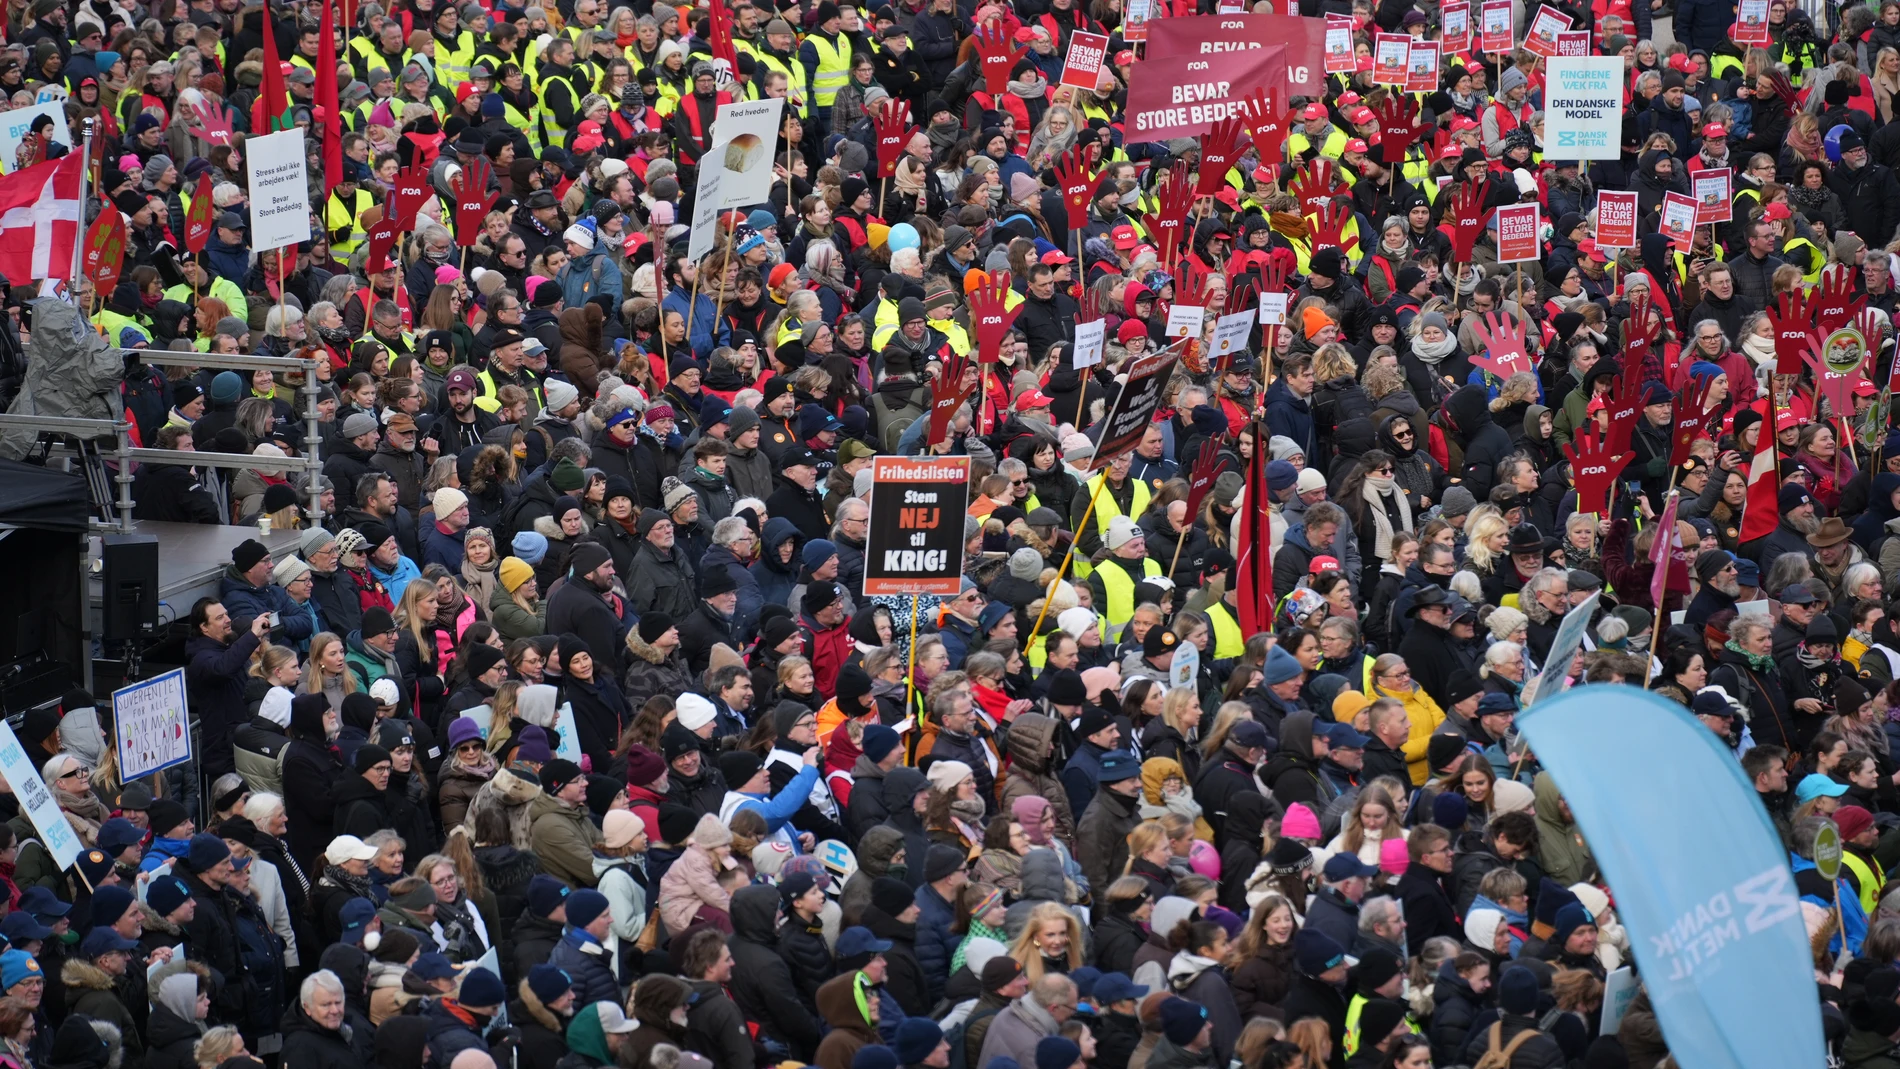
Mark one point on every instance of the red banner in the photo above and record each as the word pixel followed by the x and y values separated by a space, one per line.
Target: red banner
pixel 1303 39
pixel 1185 95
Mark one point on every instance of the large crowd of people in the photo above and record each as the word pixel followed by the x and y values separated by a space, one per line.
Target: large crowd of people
pixel 561 732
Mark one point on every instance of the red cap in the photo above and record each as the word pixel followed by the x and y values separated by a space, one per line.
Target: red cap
pixel 1597 404
pixel 1322 564
pixel 1361 115
pixel 1681 62
pixel 1033 398
pixel 1776 212
pixel 1024 35
pixel 1056 256
pixel 1863 388
pixel 1452 151
pixel 1227 196
pixel 1347 100
pixel 1139 249
pixel 1588 246
pixel 1124 237
pixel 1356 145
pixel 1124 58
pixel 1364 64
pixel 1785 419
pixel 780 274
pixel 1313 111
pixel 1263 174
pixel 1714 129
pixel 1460 124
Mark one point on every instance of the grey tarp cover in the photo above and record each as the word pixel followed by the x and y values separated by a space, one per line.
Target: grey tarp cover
pixel 70 372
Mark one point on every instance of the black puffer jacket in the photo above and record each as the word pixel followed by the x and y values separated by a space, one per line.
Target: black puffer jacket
pixel 905 981
pixel 1456 1007
pixel 761 980
pixel 1485 443
pixel 1342 420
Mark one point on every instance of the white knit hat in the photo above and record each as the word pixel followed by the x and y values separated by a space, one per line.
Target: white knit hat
pixel 945 775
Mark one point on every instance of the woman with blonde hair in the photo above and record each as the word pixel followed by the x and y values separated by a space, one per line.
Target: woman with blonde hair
pixel 1392 679
pixel 1487 539
pixel 328 671
pixel 67 777
pixel 217 1045
pixel 1373 818
pixel 1050 942
pixel 1225 718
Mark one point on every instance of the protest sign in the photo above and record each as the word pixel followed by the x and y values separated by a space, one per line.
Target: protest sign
pixel 1390 51
pixel 1339 52
pixel 1083 65
pixel 1711 191
pixel 1517 233
pixel 1455 28
pixel 152 724
pixel 743 135
pixel 1303 39
pixel 1563 649
pixel 1135 405
pixel 1273 309
pixel 1185 95
pixel 1583 107
pixel 1751 22
pixel 1185 667
pixel 280 191
pixel 1135 20
pixel 706 208
pixel 56 834
pixel 1421 67
pixel 1616 219
pixel 915 541
pixel 18 123
pixel 1184 321
pixel 1231 333
pixel 1495 30
pixel 1573 43
pixel 1541 38
pixel 1678 218
pixel 1090 339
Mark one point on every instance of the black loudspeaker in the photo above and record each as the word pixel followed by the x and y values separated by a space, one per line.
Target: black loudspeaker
pixel 128 586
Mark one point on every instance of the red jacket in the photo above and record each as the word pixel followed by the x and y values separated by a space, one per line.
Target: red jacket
pixel 827 650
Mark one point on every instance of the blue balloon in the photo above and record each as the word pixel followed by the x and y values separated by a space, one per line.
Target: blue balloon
pixel 902 236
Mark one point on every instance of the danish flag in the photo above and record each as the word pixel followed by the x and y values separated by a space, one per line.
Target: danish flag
pixel 39 219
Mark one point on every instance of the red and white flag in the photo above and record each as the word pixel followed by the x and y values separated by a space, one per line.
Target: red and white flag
pixel 1762 514
pixel 39 219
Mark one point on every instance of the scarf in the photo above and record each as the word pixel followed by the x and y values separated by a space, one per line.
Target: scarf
pixel 1807 198
pixel 1760 351
pixel 910 180
pixel 1464 102
pixel 356 885
pixel 1809 660
pixel 1187 967
pixel 977 930
pixel 1434 353
pixel 485 767
pixel 83 811
pixel 1763 663
pixel 1375 491
pixel 1035 90
pixel 1808 145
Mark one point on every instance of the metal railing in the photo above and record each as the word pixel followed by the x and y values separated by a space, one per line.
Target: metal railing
pixel 127 457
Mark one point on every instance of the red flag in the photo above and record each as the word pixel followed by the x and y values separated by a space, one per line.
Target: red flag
pixel 722 46
pixel 1662 551
pixel 1254 568
pixel 1762 513
pixel 327 99
pixel 272 110
pixel 40 219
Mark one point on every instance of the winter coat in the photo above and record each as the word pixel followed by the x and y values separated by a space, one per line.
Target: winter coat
pixel 1015 1031
pixel 1261 982
pixel 1538 1052
pixel 1031 751
pixel 1485 443
pixel 651 674
pixel 601 712
pixel 904 979
pixel 1101 839
pixel 1455 1008
pixel 564 840
pixel 690 883
pixel 1428 910
pixel 761 980
pixel 849 1032
pixel 936 943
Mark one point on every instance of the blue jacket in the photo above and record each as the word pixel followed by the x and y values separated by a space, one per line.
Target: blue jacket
pixel 1701 24
pixel 401 576
pixel 161 851
pixel 246 603
pixel 936 944
pixel 778 809
pixel 1082 775
pixel 703 331
pixel 444 549
pixel 1291 416
pixel 585 959
pixel 1813 887
pixel 232 262
pixel 745 616
pixel 775 580
pixel 590 275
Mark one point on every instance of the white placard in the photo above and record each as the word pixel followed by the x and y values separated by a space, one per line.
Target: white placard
pixel 1090 339
pixel 52 94
pixel 1184 669
pixel 483 715
pixel 743 136
pixel 1184 321
pixel 1231 332
pixel 19 123
pixel 1619 990
pixel 705 208
pixel 55 833
pixel 569 746
pixel 152 721
pixel 1583 107
pixel 1273 309
pixel 280 190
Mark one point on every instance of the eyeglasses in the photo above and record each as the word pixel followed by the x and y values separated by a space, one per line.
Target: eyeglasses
pixel 1402 434
pixel 1019 482
pixel 77 773
pixel 1387 470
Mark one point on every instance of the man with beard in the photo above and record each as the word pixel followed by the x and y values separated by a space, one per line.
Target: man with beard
pixel 1798 521
pixel 465 424
pixel 586 605
pixel 1834 551
pixel 1715 570
pixel 1545 598
pixel 505 368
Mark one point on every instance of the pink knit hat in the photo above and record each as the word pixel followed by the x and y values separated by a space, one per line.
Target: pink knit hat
pixel 1299 823
pixel 1392 856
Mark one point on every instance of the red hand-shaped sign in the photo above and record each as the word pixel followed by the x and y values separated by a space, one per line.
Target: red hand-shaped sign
pixel 1166 225
pixel 991 316
pixel 1317 183
pixel 213 125
pixel 1207 467
pixel 1594 466
pixel 891 121
pixel 1329 226
pixel 1266 121
pixel 1504 352
pixel 1077 180
pixel 382 238
pixel 1625 401
pixel 1467 218
pixel 954 384
pixel 1219 150
pixel 996 55
pixel 408 196
pixel 1836 386
pixel 1835 302
pixel 472 200
pixel 1691 421
pixel 1399 127
pixel 1792 317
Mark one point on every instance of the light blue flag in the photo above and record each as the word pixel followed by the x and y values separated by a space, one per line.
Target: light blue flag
pixel 1701 881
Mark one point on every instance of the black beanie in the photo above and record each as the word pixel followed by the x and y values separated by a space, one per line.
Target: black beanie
pixel 368 756
pixel 854 687
pixel 738 767
pixel 653 625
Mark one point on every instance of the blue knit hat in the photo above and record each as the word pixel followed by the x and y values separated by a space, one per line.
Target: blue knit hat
pixel 1055 1052
pixel 874 1056
pixel 530 546
pixel 1704 369
pixel 585 906
pixel 549 982
pixel 1281 666
pixel 205 851
pixel 481 988
pixel 1517 991
pixel 166 894
pixel 18 965
pixel 916 1038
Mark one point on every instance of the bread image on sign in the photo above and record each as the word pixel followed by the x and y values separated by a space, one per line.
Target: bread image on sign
pixel 745 152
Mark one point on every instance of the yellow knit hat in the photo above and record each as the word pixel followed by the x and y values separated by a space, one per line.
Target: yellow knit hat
pixel 514 572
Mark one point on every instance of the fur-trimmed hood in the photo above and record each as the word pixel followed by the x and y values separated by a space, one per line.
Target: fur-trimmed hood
pixel 547 1018
pixel 644 650
pixel 75 973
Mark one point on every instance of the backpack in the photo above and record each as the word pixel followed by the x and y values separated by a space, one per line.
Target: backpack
pixel 1496 1057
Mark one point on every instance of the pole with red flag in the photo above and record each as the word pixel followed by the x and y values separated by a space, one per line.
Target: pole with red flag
pixel 273 100
pixel 1253 567
pixel 327 98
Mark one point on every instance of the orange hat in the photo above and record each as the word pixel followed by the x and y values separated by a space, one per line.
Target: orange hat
pixel 975 280
pixel 780 274
pixel 1313 320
